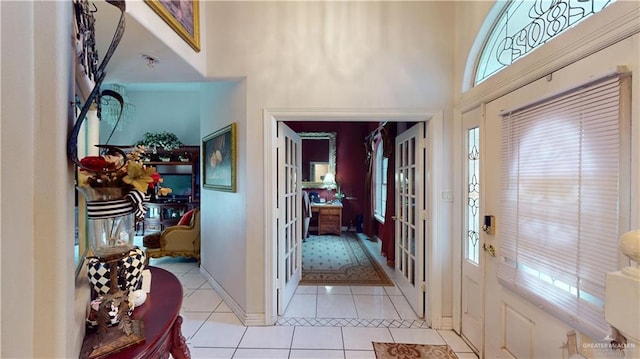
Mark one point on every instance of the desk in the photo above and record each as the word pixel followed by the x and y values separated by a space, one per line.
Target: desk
pixel 162 321
pixel 329 218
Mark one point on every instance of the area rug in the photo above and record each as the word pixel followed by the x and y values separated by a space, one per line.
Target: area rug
pixel 412 351
pixel 340 260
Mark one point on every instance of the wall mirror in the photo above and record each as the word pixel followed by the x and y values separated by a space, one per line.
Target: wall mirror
pixel 318 157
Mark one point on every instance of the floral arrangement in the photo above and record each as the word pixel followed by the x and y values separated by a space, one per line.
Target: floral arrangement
pixel 156 187
pixel 115 171
pixel 339 194
pixel 166 140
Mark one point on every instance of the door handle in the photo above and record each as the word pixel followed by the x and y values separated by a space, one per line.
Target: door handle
pixel 489 248
pixel 396 218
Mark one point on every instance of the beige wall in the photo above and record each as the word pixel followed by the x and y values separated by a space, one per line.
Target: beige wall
pixel 472 14
pixel 319 55
pixel 38 314
pixel 144 16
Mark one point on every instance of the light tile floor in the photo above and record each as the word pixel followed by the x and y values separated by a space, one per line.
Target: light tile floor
pixel 321 322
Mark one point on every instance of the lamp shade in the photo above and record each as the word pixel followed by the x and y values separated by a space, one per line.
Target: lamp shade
pixel 329 180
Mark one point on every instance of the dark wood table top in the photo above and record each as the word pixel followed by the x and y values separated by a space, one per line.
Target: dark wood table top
pixel 158 314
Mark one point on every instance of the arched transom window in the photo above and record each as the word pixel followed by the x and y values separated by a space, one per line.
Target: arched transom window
pixel 526 24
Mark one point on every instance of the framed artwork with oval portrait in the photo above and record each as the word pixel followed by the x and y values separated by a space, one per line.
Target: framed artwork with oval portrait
pixel 219 159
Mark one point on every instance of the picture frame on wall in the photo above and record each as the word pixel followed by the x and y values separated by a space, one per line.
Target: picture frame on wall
pixel 183 16
pixel 219 159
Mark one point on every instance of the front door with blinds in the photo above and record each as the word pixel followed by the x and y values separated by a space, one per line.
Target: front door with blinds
pixel 560 188
pixel 410 216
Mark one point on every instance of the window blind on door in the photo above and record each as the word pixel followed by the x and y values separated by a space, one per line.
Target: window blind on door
pixel 561 161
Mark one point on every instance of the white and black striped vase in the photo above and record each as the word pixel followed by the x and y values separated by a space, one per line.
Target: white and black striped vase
pixel 110 220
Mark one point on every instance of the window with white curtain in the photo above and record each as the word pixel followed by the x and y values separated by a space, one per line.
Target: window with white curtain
pixel 564 189
pixel 380 184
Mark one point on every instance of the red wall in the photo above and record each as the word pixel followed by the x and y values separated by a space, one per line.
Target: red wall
pixel 350 161
pixel 378 228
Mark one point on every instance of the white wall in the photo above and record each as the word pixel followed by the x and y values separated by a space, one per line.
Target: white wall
pixel 224 219
pixel 39 318
pixel 337 55
pixel 144 15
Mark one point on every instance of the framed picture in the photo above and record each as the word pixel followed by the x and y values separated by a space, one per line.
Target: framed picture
pixel 183 16
pixel 219 160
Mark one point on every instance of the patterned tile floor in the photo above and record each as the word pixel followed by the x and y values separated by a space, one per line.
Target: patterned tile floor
pixel 342 322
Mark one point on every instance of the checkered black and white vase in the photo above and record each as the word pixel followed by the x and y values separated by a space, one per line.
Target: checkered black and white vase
pixel 130 278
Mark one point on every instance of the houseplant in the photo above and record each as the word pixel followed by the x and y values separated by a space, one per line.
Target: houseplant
pixel 164 140
pixel 339 194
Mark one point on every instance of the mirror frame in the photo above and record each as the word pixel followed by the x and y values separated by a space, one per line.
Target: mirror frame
pixel 331 136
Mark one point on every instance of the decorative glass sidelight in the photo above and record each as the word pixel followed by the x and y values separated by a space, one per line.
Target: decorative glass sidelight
pixel 472 251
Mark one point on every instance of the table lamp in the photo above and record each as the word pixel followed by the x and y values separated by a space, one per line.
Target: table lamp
pixel 329 182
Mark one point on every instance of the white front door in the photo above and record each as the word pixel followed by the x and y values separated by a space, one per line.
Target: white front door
pixel 410 216
pixel 289 221
pixel 472 255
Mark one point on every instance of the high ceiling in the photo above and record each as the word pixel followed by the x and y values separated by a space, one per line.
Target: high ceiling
pixel 127 65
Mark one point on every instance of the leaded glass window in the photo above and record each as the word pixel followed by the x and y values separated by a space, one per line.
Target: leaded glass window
pixel 473 195
pixel 525 25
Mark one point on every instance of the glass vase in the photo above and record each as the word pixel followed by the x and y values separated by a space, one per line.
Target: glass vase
pixel 110 221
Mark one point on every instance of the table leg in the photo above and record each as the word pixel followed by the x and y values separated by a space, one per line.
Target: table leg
pixel 179 348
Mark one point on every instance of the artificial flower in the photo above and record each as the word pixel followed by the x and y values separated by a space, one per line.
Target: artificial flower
pixel 96 164
pixel 114 170
pixel 139 176
pixel 156 179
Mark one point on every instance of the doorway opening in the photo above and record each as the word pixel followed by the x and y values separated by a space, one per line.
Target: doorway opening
pixel 432 120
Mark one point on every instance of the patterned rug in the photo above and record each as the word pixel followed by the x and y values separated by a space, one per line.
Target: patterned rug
pixel 413 351
pixel 344 260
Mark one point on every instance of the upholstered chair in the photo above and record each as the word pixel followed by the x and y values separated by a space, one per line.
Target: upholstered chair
pixel 181 240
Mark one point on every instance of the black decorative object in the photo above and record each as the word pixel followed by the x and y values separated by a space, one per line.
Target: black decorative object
pixel 85 22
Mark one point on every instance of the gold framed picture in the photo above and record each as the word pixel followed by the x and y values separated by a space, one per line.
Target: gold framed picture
pixel 183 16
pixel 219 159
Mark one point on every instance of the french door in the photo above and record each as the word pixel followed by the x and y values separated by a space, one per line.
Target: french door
pixel 410 216
pixel 289 220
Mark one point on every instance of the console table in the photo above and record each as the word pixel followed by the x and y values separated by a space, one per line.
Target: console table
pixel 162 322
pixel 329 218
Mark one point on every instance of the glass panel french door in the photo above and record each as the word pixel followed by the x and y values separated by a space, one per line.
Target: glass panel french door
pixel 410 216
pixel 289 215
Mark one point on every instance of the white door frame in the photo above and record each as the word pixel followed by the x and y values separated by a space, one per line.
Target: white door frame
pixel 435 122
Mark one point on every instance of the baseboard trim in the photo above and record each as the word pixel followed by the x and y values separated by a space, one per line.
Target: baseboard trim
pixel 446 323
pixel 247 319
